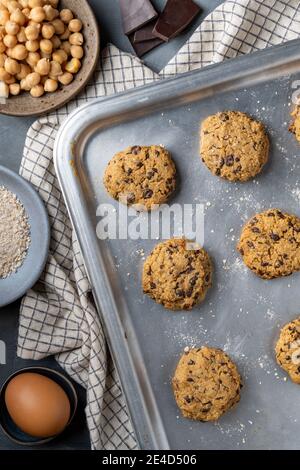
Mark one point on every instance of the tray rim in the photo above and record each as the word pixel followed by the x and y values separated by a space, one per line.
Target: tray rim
pixel 119 106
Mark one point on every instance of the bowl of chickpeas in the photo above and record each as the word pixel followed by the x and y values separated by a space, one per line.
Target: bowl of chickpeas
pixel 48 51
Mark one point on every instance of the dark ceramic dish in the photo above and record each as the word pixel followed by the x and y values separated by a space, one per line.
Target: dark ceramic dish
pixel 6 423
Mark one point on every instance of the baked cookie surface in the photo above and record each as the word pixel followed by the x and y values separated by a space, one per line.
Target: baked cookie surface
pixel 206 384
pixel 233 145
pixel 141 175
pixel 288 349
pixel 175 276
pixel 270 244
pixel 295 126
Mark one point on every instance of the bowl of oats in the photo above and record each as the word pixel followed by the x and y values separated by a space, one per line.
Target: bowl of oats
pixel 24 236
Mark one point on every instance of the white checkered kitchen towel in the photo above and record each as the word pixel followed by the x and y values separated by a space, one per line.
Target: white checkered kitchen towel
pixel 58 316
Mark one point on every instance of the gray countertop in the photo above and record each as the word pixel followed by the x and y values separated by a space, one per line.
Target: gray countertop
pixel 12 137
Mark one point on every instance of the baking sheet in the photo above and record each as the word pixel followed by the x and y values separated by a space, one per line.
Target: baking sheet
pixel 242 314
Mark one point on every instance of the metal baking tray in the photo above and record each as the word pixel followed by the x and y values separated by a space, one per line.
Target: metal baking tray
pixel 242 314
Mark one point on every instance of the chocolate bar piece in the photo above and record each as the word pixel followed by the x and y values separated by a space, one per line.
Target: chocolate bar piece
pixel 135 14
pixel 176 16
pixel 145 33
pixel 141 48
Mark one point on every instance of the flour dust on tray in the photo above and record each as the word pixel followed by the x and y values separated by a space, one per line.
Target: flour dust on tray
pixel 14 233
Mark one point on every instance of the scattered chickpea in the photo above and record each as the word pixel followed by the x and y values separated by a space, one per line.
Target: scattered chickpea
pixel 38 14
pixel 4 17
pixel 12 28
pixel 55 69
pixel 60 56
pixel 23 85
pixel 53 3
pixel 32 32
pixel 76 39
pixel 33 79
pixel 25 70
pixel 24 3
pixel 77 52
pixel 21 36
pixel 15 89
pixel 75 26
pixel 35 3
pixel 66 78
pixel 46 46
pixel 56 42
pixel 59 26
pixel 26 12
pixel 18 17
pixel 50 85
pixel 50 12
pixel 66 46
pixel 32 46
pixel 32 59
pixel 13 5
pixel 4 75
pixel 12 66
pixel 10 41
pixel 19 52
pixel 43 67
pixel 37 91
pixel 73 66
pixel 10 80
pixel 48 31
pixel 66 15
pixel 65 35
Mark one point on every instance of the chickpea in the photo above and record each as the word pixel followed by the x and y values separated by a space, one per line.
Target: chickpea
pixel 26 13
pixel 10 80
pixel 66 15
pixel 4 75
pixel 43 66
pixel 77 52
pixel 4 17
pixel 46 46
pixel 5 3
pixel 35 3
pixel 21 36
pixel 18 17
pixel 2 47
pixel 33 79
pixel 66 46
pixel 32 32
pixel 60 56
pixel 76 39
pixel 50 85
pixel 12 28
pixel 48 31
pixel 75 26
pixel 24 71
pixel 19 52
pixel 73 66
pixel 37 91
pixel 13 5
pixel 37 14
pixel 23 85
pixel 32 46
pixel 12 66
pixel 65 35
pixel 24 3
pixel 50 12
pixel 45 56
pixel 9 52
pixel 55 69
pixel 59 26
pixel 53 3
pixel 56 42
pixel 33 58
pixel 66 78
pixel 15 89
pixel 10 41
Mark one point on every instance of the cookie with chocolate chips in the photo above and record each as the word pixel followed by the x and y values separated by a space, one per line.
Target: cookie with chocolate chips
pixel 270 244
pixel 206 384
pixel 288 349
pixel 295 125
pixel 177 274
pixel 142 176
pixel 233 145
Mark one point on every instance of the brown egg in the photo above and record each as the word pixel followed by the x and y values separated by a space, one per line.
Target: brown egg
pixel 37 404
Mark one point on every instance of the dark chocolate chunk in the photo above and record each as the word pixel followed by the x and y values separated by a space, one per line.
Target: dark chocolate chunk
pixel 145 33
pixel 141 48
pixel 176 16
pixel 135 14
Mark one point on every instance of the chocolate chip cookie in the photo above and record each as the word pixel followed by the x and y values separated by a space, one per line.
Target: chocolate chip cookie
pixel 177 274
pixel 206 384
pixel 295 126
pixel 233 145
pixel 270 244
pixel 143 176
pixel 288 349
